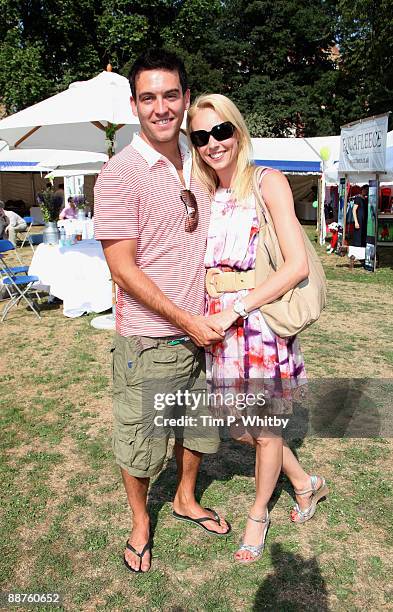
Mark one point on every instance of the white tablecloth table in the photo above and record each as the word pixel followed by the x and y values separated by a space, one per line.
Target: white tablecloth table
pixel 76 226
pixel 76 274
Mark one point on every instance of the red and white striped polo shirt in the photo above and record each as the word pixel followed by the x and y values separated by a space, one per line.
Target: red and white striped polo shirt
pixel 137 195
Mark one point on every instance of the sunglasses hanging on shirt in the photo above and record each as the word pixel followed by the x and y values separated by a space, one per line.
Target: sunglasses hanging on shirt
pixel 220 132
pixel 192 216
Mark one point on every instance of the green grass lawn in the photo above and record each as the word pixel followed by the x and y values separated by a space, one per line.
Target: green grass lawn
pixel 63 512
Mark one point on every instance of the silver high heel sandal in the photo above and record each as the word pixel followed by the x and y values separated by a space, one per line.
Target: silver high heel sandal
pixel 301 516
pixel 256 551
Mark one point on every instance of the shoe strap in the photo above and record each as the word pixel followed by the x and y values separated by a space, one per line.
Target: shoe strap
pixel 314 482
pixel 254 550
pixel 214 518
pixel 139 554
pixel 302 513
pixel 264 520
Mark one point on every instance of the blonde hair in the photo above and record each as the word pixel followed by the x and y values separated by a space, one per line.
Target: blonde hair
pixel 228 111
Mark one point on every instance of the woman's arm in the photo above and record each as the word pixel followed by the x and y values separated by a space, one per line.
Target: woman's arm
pixel 355 215
pixel 278 198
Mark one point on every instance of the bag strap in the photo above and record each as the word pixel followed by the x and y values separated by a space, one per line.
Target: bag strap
pixel 259 173
pixel 262 210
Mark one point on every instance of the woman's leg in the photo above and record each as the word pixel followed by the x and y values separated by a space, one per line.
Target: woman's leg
pixel 268 463
pixel 300 480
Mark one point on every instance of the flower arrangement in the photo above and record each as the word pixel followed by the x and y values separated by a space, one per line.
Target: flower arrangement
pixel 50 204
pixel 110 138
pixel 80 202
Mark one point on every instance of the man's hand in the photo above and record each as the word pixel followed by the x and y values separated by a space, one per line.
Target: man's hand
pixel 224 319
pixel 202 331
pixel 357 226
pixel 120 256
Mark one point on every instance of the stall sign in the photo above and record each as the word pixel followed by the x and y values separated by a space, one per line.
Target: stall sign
pixel 363 145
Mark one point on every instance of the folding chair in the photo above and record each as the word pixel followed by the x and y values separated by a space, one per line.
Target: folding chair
pixel 29 221
pixel 35 239
pixel 21 286
pixel 7 246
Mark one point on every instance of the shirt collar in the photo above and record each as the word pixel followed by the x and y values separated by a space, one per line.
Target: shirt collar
pixel 151 156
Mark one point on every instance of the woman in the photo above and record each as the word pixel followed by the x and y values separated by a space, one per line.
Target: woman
pixel 251 354
pixel 69 211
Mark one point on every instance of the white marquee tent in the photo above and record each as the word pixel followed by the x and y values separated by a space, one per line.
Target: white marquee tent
pixel 76 118
pixel 295 155
pixel 300 159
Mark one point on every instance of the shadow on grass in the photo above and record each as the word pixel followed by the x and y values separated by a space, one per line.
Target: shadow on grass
pixel 233 459
pixel 296 584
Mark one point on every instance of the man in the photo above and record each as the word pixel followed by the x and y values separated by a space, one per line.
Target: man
pixel 15 224
pixel 152 219
pixel 4 221
pixel 360 211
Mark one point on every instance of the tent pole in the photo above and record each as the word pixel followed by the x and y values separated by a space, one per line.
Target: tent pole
pixel 345 207
pixel 33 189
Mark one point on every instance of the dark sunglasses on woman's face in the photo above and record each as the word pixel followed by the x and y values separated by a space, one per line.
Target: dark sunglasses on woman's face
pixel 220 132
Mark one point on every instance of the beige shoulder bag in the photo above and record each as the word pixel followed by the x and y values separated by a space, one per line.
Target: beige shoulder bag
pixel 300 306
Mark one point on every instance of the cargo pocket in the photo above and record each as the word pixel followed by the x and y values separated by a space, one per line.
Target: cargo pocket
pixel 164 362
pixel 112 352
pixel 133 360
pixel 118 377
pixel 132 449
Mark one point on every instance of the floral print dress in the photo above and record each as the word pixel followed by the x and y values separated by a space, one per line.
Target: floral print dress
pixel 250 352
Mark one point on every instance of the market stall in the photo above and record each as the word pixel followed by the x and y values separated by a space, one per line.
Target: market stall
pixel 366 158
pixel 303 161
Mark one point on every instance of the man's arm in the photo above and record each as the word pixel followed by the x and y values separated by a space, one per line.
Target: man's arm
pixel 11 218
pixel 4 218
pixel 120 256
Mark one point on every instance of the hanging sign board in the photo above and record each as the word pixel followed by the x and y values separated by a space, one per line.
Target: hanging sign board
pixel 372 223
pixel 363 145
pixel 342 191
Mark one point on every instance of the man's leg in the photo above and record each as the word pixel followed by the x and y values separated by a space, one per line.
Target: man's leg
pixel 21 227
pixel 201 439
pixel 12 234
pixel 139 455
pixel 136 489
pixel 188 463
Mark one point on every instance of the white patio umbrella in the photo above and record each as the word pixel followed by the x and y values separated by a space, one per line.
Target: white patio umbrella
pixel 75 170
pixel 35 159
pixel 76 119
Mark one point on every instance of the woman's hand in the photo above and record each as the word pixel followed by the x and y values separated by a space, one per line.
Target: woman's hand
pixel 224 319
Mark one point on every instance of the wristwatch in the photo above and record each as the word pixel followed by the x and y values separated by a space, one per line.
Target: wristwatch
pixel 240 309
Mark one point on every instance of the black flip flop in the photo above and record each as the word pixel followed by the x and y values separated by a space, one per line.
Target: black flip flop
pixel 147 547
pixel 200 521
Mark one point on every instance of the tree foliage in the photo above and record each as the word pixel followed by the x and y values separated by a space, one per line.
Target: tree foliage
pixel 272 57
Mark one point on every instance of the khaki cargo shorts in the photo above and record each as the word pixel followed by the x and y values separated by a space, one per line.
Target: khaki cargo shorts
pixel 154 389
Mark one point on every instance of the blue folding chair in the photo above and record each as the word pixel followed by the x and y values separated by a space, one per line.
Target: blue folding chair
pixel 18 288
pixel 29 221
pixel 35 239
pixel 22 285
pixel 5 247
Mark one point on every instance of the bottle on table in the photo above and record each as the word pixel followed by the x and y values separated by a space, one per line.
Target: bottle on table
pixel 62 238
